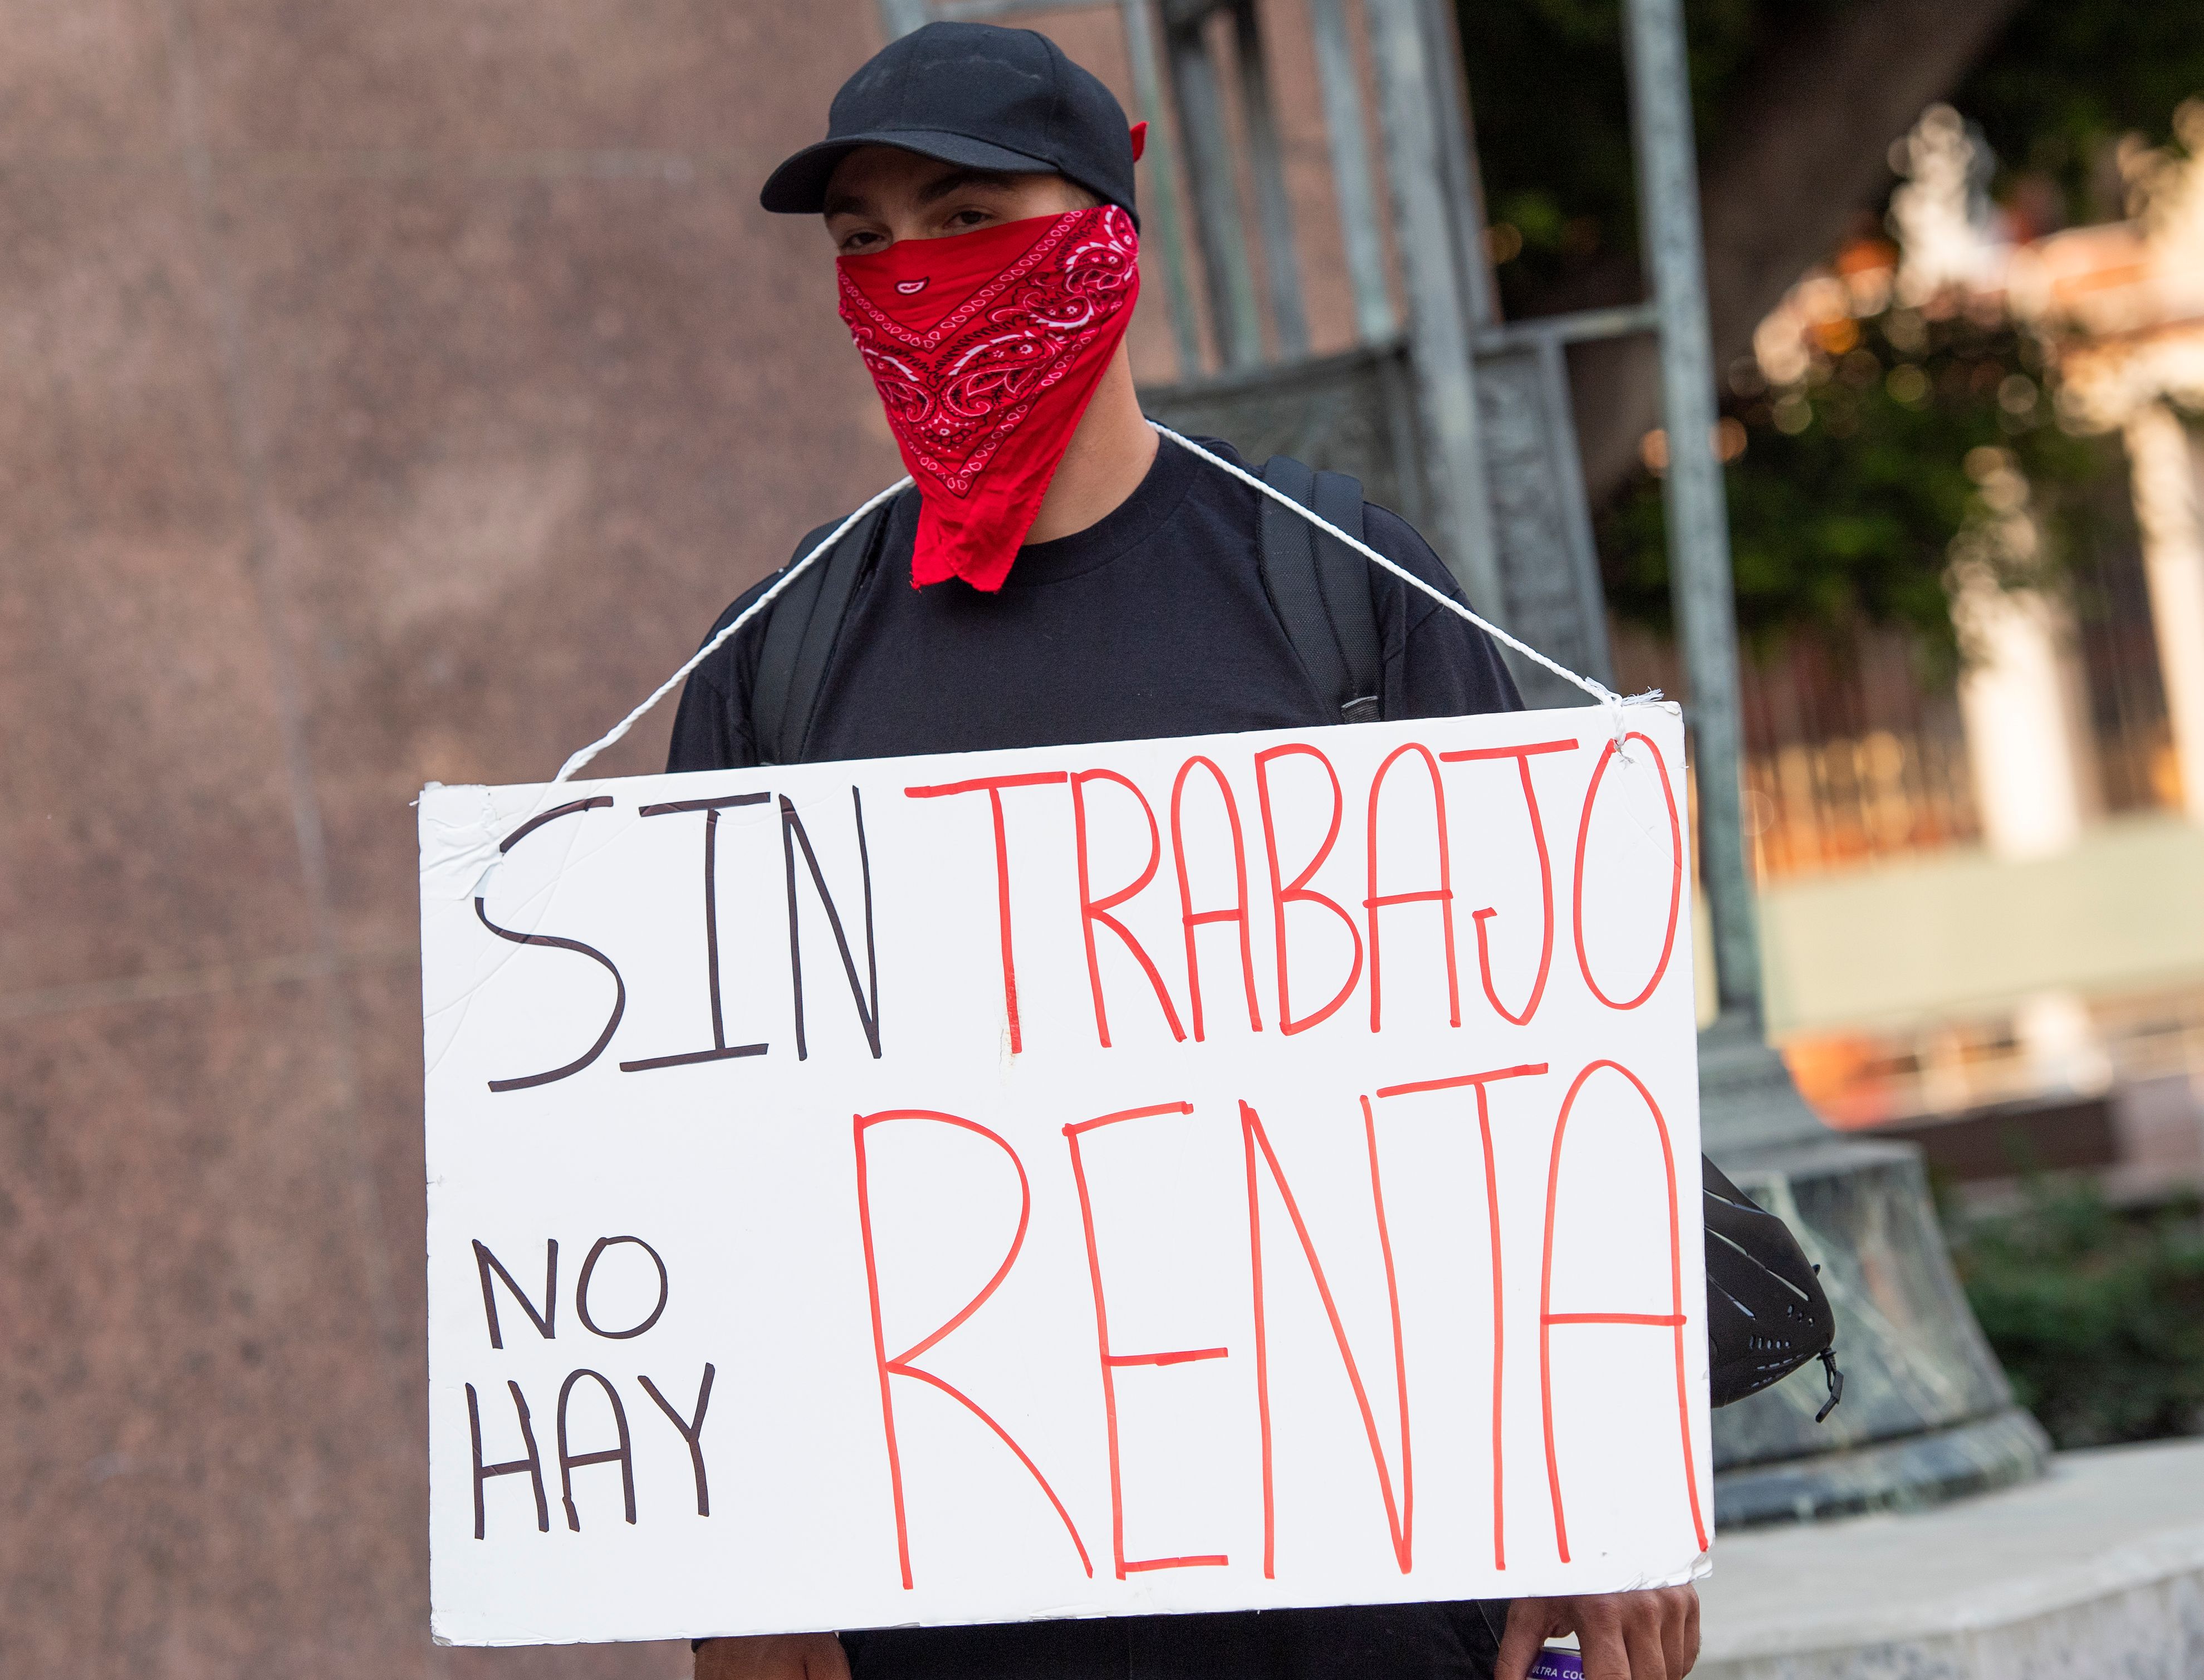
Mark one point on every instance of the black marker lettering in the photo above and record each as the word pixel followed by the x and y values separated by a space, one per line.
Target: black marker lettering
pixel 721 1050
pixel 486 1262
pixel 691 1431
pixel 533 1463
pixel 582 1289
pixel 620 1000
pixel 867 997
pixel 570 1462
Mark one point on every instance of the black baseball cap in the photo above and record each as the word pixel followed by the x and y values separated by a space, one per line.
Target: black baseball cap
pixel 975 94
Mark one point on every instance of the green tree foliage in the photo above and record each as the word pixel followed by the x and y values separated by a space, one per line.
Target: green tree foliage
pixel 2065 81
pixel 1846 498
pixel 2053 95
pixel 1552 110
pixel 2098 1316
pixel 1849 489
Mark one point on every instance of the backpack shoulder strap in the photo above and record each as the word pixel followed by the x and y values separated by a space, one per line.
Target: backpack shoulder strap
pixel 799 637
pixel 1320 587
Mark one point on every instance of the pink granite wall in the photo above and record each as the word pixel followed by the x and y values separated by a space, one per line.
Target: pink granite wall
pixel 389 390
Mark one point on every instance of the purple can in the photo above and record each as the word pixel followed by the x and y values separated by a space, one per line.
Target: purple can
pixel 1555 1662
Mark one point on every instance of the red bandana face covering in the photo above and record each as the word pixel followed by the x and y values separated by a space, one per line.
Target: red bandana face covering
pixel 986 347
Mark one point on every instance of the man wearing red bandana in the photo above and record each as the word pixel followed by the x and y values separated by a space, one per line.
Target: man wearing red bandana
pixel 985 396
pixel 1052 576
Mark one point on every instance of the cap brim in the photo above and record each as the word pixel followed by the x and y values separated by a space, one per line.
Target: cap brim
pixel 799 186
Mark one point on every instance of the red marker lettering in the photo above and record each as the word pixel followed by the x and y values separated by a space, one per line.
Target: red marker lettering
pixel 1300 891
pixel 1093 909
pixel 1499 1305
pixel 1443 895
pixel 901 1365
pixel 1672 1320
pixel 1675 873
pixel 1401 1515
pixel 1111 1361
pixel 993 786
pixel 1522 755
pixel 1192 918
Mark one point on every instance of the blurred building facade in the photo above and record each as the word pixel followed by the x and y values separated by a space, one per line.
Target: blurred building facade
pixel 1981 895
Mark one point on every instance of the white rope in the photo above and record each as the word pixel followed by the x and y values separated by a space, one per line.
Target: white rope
pixel 1599 691
pixel 743 618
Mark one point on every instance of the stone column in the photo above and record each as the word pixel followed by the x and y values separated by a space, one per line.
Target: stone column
pixel 2165 464
pixel 2020 703
pixel 2022 697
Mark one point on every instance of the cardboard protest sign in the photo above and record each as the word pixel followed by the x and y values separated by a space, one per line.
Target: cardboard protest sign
pixel 1246 1170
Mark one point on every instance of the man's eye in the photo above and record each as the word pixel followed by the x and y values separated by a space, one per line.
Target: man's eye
pixel 854 243
pixel 970 217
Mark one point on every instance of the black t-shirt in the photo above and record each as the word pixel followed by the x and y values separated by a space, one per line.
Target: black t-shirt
pixel 1152 621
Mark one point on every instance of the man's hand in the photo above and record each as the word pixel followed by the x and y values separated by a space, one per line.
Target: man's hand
pixel 798 1656
pixel 1647 1636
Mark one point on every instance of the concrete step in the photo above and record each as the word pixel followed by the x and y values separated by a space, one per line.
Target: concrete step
pixel 2096 1571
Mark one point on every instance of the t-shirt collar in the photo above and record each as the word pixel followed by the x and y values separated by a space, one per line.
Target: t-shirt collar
pixel 1125 527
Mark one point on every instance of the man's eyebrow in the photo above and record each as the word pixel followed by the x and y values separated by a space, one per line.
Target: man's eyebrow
pixel 958 179
pixel 955 181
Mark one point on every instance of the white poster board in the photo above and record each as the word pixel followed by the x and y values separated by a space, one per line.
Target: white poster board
pixel 1246 1170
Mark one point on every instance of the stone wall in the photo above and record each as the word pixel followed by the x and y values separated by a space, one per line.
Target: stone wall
pixel 390 390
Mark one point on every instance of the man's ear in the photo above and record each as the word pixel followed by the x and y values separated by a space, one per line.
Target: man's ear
pixel 1140 134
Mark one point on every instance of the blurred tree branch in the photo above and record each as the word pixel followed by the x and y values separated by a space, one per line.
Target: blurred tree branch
pixel 1802 144
pixel 1850 488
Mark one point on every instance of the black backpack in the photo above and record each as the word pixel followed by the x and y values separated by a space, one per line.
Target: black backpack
pixel 1766 1312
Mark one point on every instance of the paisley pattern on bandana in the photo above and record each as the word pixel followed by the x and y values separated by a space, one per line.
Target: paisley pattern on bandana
pixel 957 390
